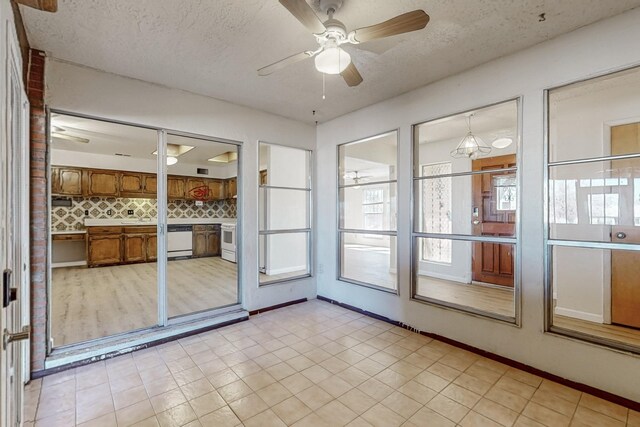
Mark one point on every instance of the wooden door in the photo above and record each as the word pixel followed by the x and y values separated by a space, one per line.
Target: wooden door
pixel 213 243
pixel 150 186
pixel 199 244
pixel 232 188
pixel 494 214
pixel 625 265
pixel 66 181
pixel 216 190
pixel 175 187
pixel 134 248
pixel 197 189
pixel 131 184
pixel 152 247
pixel 104 250
pixel 101 183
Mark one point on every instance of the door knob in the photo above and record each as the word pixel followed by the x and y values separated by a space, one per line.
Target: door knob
pixel 8 337
pixel 621 235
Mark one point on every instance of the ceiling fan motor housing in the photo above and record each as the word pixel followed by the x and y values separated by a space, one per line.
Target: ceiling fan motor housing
pixel 327 5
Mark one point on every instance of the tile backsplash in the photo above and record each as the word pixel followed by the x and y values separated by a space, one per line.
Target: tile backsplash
pixel 72 218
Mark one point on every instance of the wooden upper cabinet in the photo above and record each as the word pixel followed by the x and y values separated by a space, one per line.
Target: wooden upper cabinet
pixel 150 185
pixel 175 187
pixel 217 189
pixel 232 188
pixel 66 181
pixel 197 189
pixel 131 183
pixel 101 183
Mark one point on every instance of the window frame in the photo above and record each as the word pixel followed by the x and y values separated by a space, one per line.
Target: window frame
pixel 515 240
pixel 340 231
pixel 308 231
pixel 549 242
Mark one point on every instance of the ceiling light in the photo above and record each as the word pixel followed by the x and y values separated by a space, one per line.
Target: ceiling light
pixel 175 150
pixel 471 146
pixel 503 142
pixel 332 60
pixel 228 157
pixel 171 160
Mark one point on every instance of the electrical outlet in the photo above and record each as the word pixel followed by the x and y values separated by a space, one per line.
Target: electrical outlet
pixel 109 212
pixel 86 212
pixel 129 211
pixel 199 203
pixel 320 268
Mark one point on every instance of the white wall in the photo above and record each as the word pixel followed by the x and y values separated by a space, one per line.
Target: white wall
pixel 592 50
pixel 82 90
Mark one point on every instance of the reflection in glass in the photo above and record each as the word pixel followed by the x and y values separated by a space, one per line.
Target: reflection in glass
pixel 368 160
pixel 368 207
pixel 283 209
pixel 479 275
pixel 369 259
pixel 283 256
pixel 587 199
pixel 201 210
pixel 595 291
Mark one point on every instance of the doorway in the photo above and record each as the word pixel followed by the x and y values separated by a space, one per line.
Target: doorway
pixel 494 214
pixel 136 216
pixel 625 265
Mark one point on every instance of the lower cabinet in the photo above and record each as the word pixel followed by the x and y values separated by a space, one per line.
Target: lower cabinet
pixel 206 240
pixel 115 245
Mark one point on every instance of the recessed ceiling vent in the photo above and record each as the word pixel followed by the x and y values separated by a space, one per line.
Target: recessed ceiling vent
pixel 203 171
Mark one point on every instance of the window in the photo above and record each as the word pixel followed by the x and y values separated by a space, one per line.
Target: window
pixel 436 211
pixel 592 238
pixel 465 240
pixel 367 209
pixel 284 213
pixel 373 208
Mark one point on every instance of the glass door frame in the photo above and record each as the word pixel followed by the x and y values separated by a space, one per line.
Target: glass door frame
pixel 163 320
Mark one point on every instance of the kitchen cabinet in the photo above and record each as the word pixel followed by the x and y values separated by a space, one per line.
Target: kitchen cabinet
pixel 197 189
pixel 263 177
pixel 104 249
pixel 121 245
pixel 66 181
pixel 150 186
pixel 131 184
pixel 101 183
pixel 217 189
pixel 206 240
pixel 232 188
pixel 175 187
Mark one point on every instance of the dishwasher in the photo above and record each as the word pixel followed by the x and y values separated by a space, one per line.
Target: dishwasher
pixel 179 241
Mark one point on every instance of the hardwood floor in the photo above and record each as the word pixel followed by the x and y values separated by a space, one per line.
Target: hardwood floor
pixel 89 303
pixel 492 299
pixel 612 332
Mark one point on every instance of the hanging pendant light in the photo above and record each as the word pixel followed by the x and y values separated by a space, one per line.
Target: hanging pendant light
pixel 471 146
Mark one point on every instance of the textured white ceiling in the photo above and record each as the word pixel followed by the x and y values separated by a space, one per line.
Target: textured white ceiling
pixel 214 47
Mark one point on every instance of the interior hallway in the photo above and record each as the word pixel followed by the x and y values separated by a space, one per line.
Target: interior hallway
pixel 311 364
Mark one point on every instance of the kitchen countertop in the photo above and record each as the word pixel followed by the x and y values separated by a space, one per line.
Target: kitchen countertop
pixel 133 222
pixel 69 232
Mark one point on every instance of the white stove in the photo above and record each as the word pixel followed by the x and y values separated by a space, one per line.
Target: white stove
pixel 228 244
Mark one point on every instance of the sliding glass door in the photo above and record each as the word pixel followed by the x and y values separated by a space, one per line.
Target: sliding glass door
pixel 138 218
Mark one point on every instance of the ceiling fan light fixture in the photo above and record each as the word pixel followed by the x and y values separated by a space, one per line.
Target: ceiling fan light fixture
pixel 332 60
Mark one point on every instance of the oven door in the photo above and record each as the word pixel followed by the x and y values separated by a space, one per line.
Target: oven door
pixel 229 238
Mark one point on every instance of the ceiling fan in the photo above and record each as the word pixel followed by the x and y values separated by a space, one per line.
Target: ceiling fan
pixel 356 178
pixel 330 58
pixel 45 5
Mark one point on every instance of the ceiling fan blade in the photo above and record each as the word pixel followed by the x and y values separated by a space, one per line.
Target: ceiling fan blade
pixel 405 23
pixel 303 12
pixel 265 71
pixel 351 75
pixel 46 5
pixel 70 137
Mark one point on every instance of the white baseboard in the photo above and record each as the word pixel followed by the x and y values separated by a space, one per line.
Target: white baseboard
pixel 272 272
pixel 582 315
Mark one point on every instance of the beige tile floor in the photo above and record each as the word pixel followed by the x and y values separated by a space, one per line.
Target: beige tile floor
pixel 312 364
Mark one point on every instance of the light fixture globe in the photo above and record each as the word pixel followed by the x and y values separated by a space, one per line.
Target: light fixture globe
pixel 332 60
pixel 471 146
pixel 502 142
pixel 171 160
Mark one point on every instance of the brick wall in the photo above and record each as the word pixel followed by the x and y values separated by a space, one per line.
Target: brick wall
pixel 38 206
